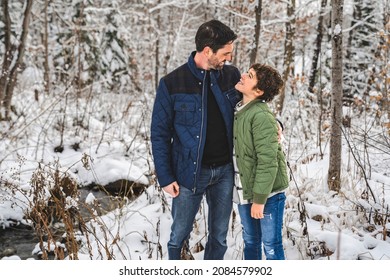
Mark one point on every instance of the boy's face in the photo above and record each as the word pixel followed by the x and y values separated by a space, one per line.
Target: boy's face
pixel 247 83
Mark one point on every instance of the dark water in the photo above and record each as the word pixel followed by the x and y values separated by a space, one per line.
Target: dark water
pixel 18 240
pixel 21 240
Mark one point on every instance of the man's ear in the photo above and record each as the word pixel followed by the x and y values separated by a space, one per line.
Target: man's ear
pixel 207 51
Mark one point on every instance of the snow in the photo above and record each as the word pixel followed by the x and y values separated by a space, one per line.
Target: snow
pixel 337 29
pixel 111 131
pixel 337 225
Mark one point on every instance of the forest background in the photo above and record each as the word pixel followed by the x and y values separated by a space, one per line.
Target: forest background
pixel 77 85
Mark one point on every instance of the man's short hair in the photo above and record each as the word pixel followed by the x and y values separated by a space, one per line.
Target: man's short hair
pixel 213 34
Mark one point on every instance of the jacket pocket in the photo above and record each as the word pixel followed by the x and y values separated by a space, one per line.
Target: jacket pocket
pixel 184 113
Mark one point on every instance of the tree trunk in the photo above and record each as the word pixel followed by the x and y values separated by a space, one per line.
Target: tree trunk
pixel 337 94
pixel 289 53
pixel 317 50
pixel 253 54
pixel 157 53
pixel 386 24
pixel 8 55
pixel 14 70
pixel 46 73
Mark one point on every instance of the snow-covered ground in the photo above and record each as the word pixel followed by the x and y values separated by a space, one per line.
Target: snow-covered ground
pixel 104 139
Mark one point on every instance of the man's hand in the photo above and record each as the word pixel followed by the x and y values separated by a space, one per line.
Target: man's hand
pixel 173 189
pixel 257 211
pixel 280 133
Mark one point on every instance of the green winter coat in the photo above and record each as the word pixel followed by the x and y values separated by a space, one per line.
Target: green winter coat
pixel 260 159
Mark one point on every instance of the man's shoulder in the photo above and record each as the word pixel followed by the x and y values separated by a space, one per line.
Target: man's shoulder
pixel 177 72
pixel 228 77
pixel 231 72
pixel 181 80
pixel 230 68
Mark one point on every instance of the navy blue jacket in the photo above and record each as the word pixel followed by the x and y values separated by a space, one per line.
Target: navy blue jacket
pixel 179 119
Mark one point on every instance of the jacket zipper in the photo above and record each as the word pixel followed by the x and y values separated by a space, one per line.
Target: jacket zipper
pixel 201 132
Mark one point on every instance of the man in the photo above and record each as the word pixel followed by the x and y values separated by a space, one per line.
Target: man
pixel 191 134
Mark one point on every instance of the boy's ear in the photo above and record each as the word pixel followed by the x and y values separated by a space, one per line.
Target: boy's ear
pixel 259 92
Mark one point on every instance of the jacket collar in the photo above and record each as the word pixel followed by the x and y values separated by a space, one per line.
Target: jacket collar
pixel 250 104
pixel 199 73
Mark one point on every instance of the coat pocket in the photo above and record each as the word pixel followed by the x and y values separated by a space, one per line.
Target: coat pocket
pixel 184 113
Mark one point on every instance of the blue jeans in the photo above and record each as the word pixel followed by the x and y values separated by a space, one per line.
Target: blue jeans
pixel 266 232
pixel 217 184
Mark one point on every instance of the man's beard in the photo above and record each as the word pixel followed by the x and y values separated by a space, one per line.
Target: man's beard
pixel 215 64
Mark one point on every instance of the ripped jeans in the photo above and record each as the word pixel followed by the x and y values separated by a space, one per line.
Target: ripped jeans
pixel 266 232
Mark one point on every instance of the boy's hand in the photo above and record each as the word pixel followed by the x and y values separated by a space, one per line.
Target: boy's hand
pixel 257 211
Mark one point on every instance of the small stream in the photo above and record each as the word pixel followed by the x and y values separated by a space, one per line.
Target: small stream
pixel 20 240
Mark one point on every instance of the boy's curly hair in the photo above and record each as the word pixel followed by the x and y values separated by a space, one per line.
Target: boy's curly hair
pixel 268 80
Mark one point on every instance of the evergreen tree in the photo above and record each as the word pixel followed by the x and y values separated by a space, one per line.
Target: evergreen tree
pixel 360 52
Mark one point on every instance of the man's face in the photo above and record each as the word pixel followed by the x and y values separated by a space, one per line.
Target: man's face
pixel 217 60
